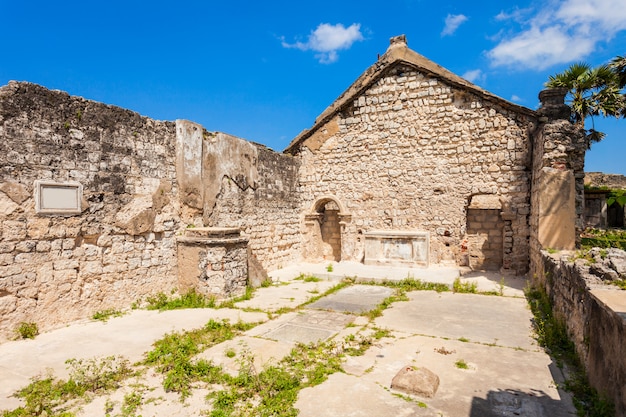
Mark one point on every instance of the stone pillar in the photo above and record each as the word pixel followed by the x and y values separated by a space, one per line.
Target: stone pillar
pixel 557 194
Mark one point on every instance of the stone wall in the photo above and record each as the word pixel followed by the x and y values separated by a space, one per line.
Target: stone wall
pixel 595 316
pixel 266 211
pixel 121 246
pixel 600 179
pixel 409 152
pixel 143 182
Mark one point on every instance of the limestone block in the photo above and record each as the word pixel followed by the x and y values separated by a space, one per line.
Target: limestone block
pixel 137 216
pixel 8 304
pixel 416 381
pixel 15 191
pixel 37 227
pixel 7 205
pixel 13 230
pixel 557 209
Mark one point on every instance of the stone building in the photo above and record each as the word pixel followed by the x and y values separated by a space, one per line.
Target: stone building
pixel 411 146
pixel 412 165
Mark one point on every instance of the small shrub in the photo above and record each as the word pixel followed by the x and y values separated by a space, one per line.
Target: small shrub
pixel 461 364
pixel 27 330
pixel 96 375
pixel 329 268
pixel 464 287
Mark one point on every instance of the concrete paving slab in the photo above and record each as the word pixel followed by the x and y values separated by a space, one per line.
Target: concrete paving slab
pixel 345 395
pixel 469 392
pixel 263 352
pixel 299 334
pixel 504 321
pixel 285 295
pixel 354 299
pixel 309 327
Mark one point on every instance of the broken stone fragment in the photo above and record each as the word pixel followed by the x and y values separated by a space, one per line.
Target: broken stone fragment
pixel 604 272
pixel 617 261
pixel 416 381
pixel 137 217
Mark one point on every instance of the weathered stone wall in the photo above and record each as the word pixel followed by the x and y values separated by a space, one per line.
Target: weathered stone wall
pixel 267 211
pixel 600 179
pixel 122 245
pixel 595 323
pixel 409 153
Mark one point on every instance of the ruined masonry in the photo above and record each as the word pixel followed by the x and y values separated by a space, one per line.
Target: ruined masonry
pixel 411 165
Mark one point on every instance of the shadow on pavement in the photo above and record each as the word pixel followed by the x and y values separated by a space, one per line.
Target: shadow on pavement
pixel 513 403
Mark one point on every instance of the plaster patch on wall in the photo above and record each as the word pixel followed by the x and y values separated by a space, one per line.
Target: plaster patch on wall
pixel 231 157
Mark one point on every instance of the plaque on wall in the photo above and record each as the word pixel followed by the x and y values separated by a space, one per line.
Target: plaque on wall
pixel 63 198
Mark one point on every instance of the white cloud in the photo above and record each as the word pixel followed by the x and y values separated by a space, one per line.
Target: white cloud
pixel 562 31
pixel 327 39
pixel 453 21
pixel 517 98
pixel 474 76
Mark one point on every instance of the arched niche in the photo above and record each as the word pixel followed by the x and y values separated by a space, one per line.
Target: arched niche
pixel 325 225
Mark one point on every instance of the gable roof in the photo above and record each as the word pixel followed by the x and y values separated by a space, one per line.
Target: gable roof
pixel 399 53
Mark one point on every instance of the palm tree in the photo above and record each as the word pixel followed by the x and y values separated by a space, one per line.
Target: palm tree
pixel 618 65
pixel 592 92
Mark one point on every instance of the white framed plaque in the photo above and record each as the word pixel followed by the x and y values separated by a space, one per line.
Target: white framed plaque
pixel 63 198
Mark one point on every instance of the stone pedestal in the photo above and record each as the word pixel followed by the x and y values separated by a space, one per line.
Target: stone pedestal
pixel 213 261
pixel 396 247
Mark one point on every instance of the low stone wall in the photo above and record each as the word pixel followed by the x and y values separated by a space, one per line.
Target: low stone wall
pixel 595 315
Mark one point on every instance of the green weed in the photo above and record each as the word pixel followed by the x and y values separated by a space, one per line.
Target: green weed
pixel 380 333
pixel 307 278
pixel 27 330
pixel 551 333
pixel 191 299
pixel 51 396
pixel 461 364
pixel 464 287
pixel 172 355
pixel 274 390
pixel 105 315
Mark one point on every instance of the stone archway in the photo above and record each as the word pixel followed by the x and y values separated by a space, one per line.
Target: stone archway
pixel 324 228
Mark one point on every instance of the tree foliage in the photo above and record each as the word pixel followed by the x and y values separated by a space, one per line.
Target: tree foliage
pixel 593 92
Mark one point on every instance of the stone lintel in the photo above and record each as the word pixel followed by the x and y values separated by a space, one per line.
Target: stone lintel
pixel 212 232
pixel 212 236
pixel 397 233
pixel 211 241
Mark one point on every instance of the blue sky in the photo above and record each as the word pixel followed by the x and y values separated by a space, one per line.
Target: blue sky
pixel 264 70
